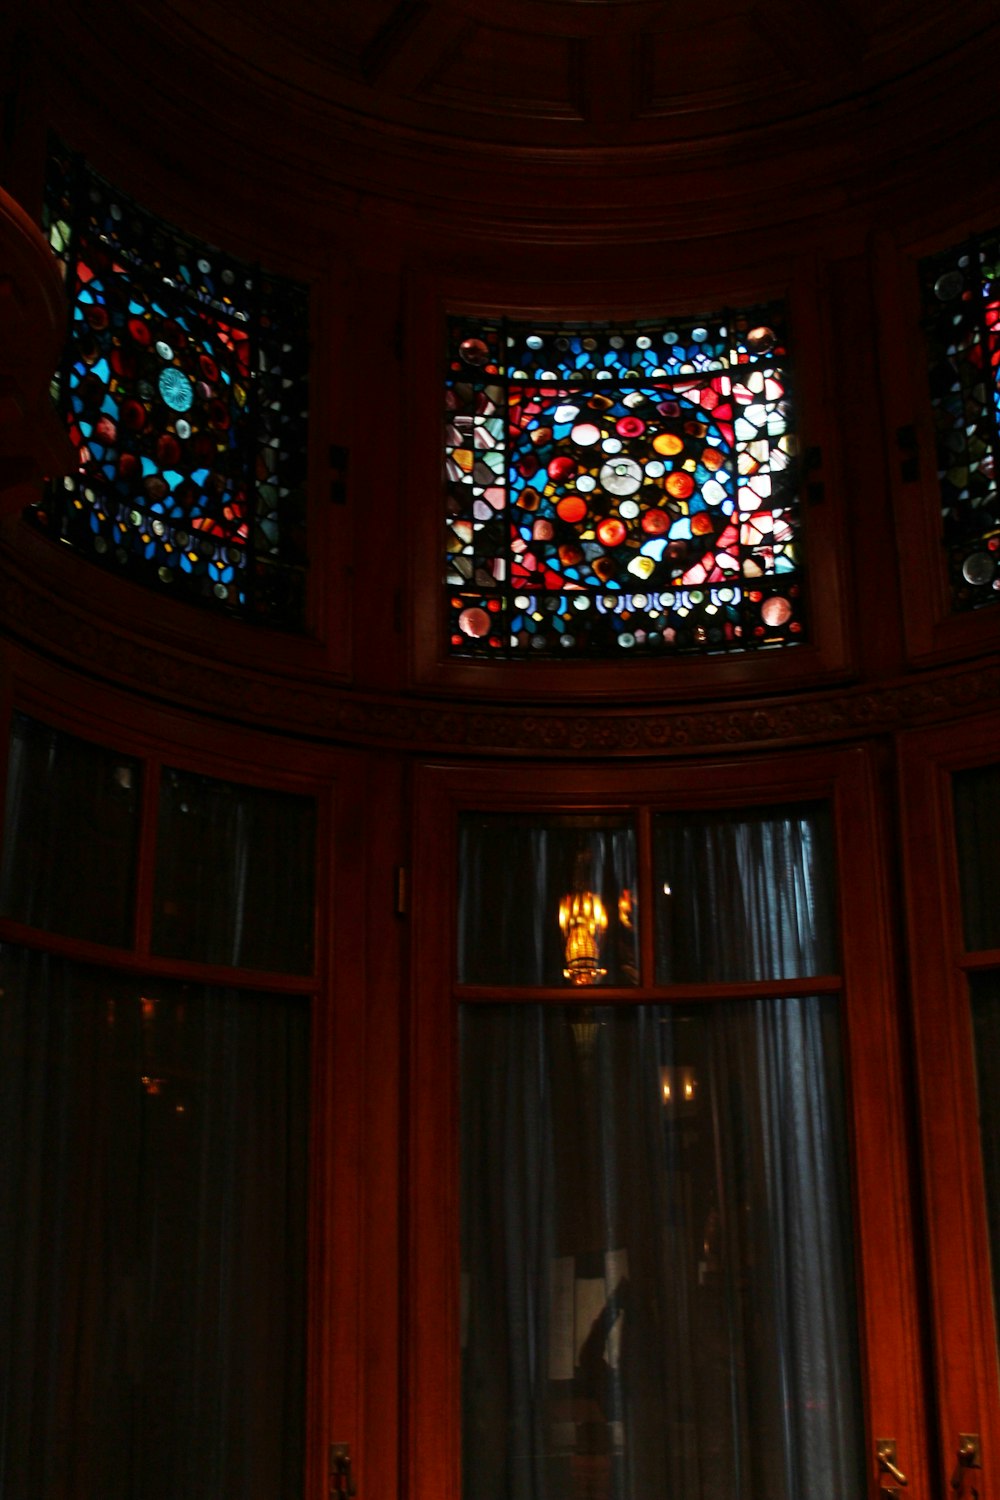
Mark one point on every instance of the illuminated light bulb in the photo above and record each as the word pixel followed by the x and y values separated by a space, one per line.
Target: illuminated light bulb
pixel 583 923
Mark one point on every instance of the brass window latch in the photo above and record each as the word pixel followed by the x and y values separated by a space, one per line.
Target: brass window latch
pixel 341 1476
pixel 885 1452
pixel 969 1458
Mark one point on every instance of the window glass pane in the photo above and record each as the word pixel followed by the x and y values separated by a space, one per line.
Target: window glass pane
pixel 984 992
pixel 621 489
pixel 152 1235
pixel 976 800
pixel 514 872
pixel 657 1263
pixel 744 895
pixel 184 391
pixel 234 874
pixel 70 834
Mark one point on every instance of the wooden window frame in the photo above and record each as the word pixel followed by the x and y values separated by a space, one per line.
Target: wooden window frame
pixel 964 1343
pixel 322 647
pixel 827 653
pixel 933 631
pixel 886 1274
pixel 156 737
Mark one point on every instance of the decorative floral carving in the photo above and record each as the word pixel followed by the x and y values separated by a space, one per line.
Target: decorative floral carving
pixel 34 616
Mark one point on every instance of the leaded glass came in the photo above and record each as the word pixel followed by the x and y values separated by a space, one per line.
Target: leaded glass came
pixel 621 488
pixel 184 390
pixel 961 292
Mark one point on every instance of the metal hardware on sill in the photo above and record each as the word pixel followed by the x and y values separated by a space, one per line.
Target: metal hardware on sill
pixel 341 1478
pixel 885 1452
pixel 969 1457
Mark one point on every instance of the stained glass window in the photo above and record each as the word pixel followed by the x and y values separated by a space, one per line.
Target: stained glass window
pixel 184 388
pixel 961 293
pixel 625 488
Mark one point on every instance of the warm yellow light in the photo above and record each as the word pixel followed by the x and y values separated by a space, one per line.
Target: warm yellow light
pixel 583 923
pixel 678 1086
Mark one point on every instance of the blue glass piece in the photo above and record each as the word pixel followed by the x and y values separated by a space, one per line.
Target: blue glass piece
pixel 175 388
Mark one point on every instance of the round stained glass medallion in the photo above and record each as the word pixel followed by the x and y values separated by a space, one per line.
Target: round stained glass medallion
pixel 622 476
pixel 175 388
pixel 978 568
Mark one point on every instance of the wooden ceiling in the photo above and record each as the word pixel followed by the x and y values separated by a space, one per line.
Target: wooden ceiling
pixel 452 105
pixel 548 72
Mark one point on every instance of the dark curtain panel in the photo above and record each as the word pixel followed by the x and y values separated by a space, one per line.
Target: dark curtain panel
pixel 234 874
pixel 152 1237
pixel 70 831
pixel 977 796
pixel 744 895
pixel 985 995
pixel 658 1293
pixel 513 872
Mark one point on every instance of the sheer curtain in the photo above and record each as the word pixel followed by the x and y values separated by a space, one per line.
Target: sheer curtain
pixel 745 895
pixel 976 793
pixel 66 795
pixel 152 1237
pixel 234 874
pixel 513 872
pixel 657 1260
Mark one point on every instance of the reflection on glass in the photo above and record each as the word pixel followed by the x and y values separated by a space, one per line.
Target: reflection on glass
pixel 70 831
pixel 976 800
pixel 547 900
pixel 744 895
pixel 656 1254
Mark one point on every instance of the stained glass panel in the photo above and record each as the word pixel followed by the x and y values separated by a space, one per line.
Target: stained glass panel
pixel 623 487
pixel 961 292
pixel 184 389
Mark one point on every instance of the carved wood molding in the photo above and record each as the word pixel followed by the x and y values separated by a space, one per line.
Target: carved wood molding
pixel 32 328
pixel 327 712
